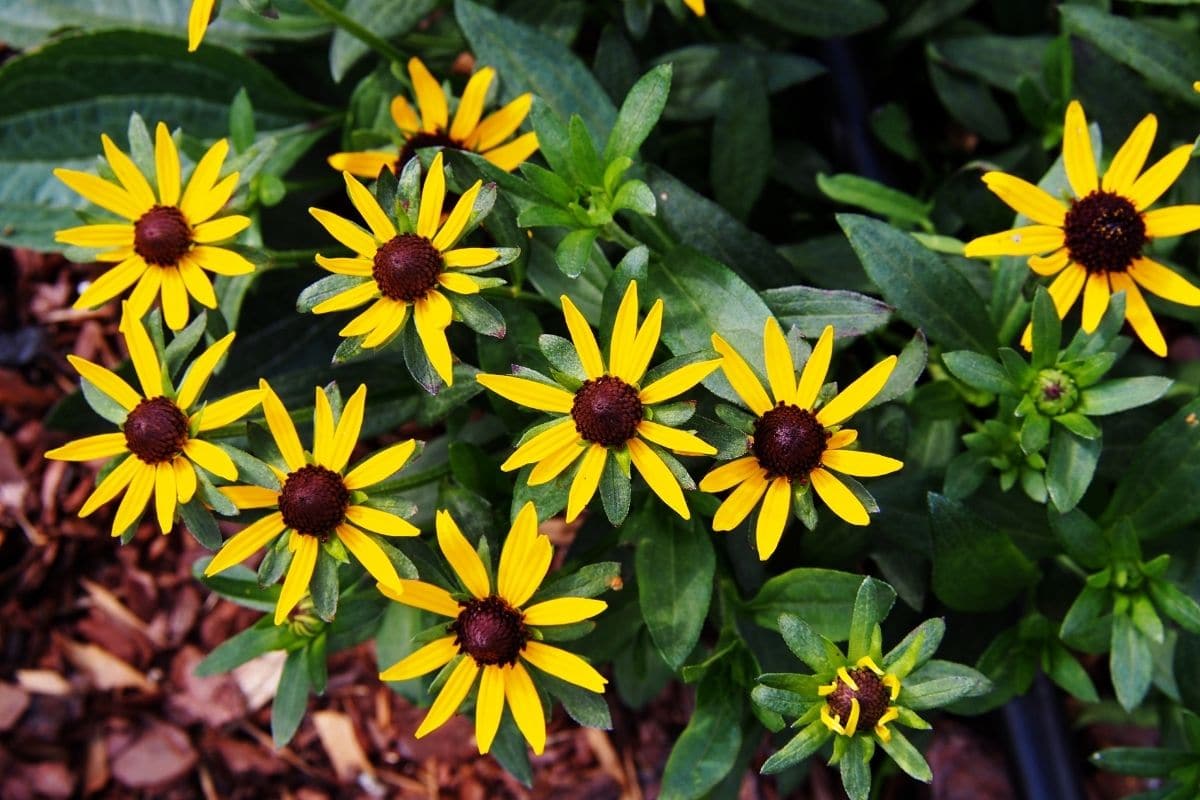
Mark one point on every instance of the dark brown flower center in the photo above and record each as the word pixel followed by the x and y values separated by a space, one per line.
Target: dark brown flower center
pixel 407 267
pixel 162 235
pixel 156 430
pixel 419 140
pixel 607 411
pixel 873 698
pixel 788 442
pixel 313 500
pixel 1104 232
pixel 490 631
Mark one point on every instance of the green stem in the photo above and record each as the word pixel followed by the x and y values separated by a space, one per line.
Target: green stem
pixel 413 481
pixel 615 233
pixel 291 256
pixel 356 30
pixel 513 293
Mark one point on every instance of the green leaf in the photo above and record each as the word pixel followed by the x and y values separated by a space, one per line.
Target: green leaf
pixel 1082 616
pixel 251 469
pixel 1171 601
pixel 387 19
pixel 809 310
pixel 1147 762
pixel 291 699
pixel 925 290
pixel 1130 663
pixel 1160 58
pixel 801 746
pixel 528 61
pixel 615 491
pixel 979 372
pixel 1065 670
pixel 1047 331
pixel 823 598
pixel 1070 467
pixel 708 747
pixel 976 567
pixel 856 768
pixel 940 683
pixel 854 190
pixel 916 648
pixel 703 297
pixel 1157 487
pixel 907 757
pixel 784 702
pixel 183 343
pixel 674 564
pixel 322 290
pixel 587 708
pixel 1122 394
pixel 200 523
pixel 741 141
pixel 804 643
pixel 575 250
pixel 818 18
pixel 871 604
pixel 323 586
pixel 587 581
pixel 639 113
pixel 262 637
pixel 510 751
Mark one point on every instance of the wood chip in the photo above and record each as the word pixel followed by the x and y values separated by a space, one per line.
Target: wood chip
pixel 336 731
pixel 13 702
pixel 104 670
pixel 259 678
pixel 43 681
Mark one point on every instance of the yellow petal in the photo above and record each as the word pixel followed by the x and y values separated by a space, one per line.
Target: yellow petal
pixel 677 382
pixel 346 232
pixel 841 439
pixel 377 313
pixel 1078 159
pixel 644 345
pixel 349 426
pixel 404 117
pixel 142 296
pixel 141 486
pixel 201 370
pixel 525 392
pixel 369 554
pixel 1138 314
pixel 1095 300
pixel 561 664
pixel 197 283
pixel 859 463
pixel 500 124
pixel 451 697
pixel 389 321
pixel 174 299
pixel 620 348
pixel 857 394
pixel 112 283
pixel 213 201
pixel 322 429
pixel 731 474
pixel 1159 280
pixel 381 522
pixel 203 180
pixel 211 457
pixel 548 442
pixel 456 223
pixel 815 370
pixel 510 156
pixel 458 283
pixel 658 477
pixel 425 596
pixel 585 341
pixel 462 557
pixel 380 466
pixel 467 257
pixel 128 174
pixel 526 707
pixel 112 485
pixel 433 196
pixel 1027 199
pixel 1156 180
pixel 740 502
pixel 696 6
pixel 106 381
pixel 489 706
pixel 741 377
pixel 365 165
pixel 553 465
pixel 99 191
pixel 583 486
pixel 229 409
pixel 1027 241
pixel 839 499
pixel 245 543
pixel 282 429
pixel 218 230
pixel 470 106
pixel 434 655
pixel 351 298
pixel 251 496
pixel 772 517
pixel 165 493
pixel 432 314
pixel 366 205
pixel 90 448
pixel 141 352
pixel 1051 264
pixel 358 266
pixel 166 156
pixel 295 585
pixel 1172 221
pixel 681 442
pixel 781 370
pixel 198 19
pixel 117 234
pixel 430 97
pixel 563 611
pixel 185 479
pixel 221 261
pixel 1130 159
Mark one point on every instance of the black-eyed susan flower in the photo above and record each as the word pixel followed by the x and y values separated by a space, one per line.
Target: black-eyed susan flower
pixel 167 240
pixel 198 19
pixel 161 440
pixel 315 501
pixel 794 443
pixel 408 261
pixel 609 414
pixel 489 136
pixel 494 635
pixel 1094 242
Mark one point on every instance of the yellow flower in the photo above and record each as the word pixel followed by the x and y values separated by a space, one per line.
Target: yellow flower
pixel 167 241
pixel 1095 241
pixel 198 19
pixel 861 699
pixel 468 131
pixel 492 636
pixel 697 6
pixel 791 444
pixel 161 431
pixel 315 500
pixel 410 265
pixel 608 412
